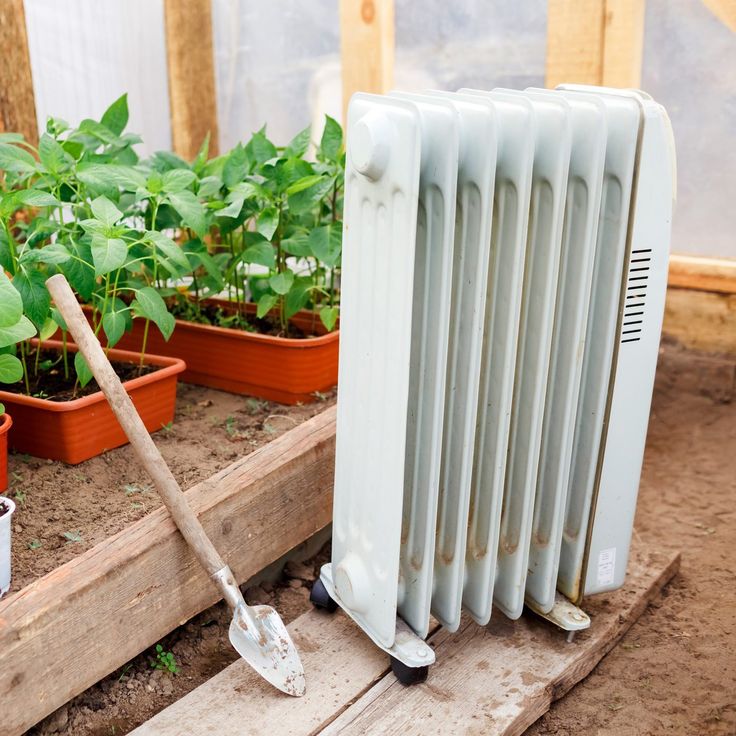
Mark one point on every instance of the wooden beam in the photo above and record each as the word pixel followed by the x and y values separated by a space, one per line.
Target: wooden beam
pixel 67 630
pixel 574 42
pixel 701 320
pixel 366 47
pixel 496 679
pixel 623 43
pixel 597 42
pixel 192 93
pixel 703 274
pixel 17 103
pixel 724 10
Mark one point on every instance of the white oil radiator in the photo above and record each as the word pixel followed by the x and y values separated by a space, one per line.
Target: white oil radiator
pixel 503 282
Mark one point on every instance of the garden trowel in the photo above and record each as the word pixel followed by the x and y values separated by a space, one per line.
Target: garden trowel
pixel 257 632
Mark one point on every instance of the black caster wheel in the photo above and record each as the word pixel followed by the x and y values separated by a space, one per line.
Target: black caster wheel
pixel 408 675
pixel 321 598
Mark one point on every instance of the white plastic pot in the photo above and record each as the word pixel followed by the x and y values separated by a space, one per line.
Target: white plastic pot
pixel 5 520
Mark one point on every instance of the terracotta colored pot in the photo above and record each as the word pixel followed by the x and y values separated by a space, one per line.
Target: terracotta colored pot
pixel 76 430
pixel 280 369
pixel 5 424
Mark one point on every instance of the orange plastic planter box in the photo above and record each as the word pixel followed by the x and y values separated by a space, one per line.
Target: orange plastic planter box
pixel 76 430
pixel 5 424
pixel 280 369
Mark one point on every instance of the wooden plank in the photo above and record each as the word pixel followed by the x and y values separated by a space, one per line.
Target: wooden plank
pixel 77 624
pixel 724 10
pixel 366 47
pixel 704 274
pixel 701 320
pixel 506 673
pixel 623 43
pixel 17 103
pixel 574 42
pixel 192 94
pixel 502 678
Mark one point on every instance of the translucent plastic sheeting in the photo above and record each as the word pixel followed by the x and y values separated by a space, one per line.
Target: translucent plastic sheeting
pixel 690 68
pixel 86 53
pixel 275 63
pixel 470 43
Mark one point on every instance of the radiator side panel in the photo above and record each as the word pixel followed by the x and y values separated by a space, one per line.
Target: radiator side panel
pixel 582 208
pixel 642 309
pixel 541 270
pixel 381 188
pixel 433 275
pixel 511 200
pixel 623 126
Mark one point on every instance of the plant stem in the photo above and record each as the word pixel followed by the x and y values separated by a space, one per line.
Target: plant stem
pixel 65 355
pixel 22 346
pixel 143 344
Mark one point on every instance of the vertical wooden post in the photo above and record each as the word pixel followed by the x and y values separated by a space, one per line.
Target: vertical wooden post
pixel 17 104
pixel 595 42
pixel 623 43
pixel 366 46
pixel 192 93
pixel 574 41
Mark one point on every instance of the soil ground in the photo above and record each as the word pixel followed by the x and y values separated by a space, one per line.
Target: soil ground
pixel 673 673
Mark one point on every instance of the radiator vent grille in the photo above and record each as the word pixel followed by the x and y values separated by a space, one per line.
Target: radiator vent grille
pixel 636 295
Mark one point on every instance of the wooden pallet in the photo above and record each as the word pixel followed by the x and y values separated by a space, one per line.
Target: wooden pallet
pixel 493 680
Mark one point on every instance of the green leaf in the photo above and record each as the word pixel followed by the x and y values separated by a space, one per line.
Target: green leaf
pixel 103 177
pixel 236 167
pixel 259 149
pixel 304 199
pixel 54 253
pixel 190 210
pixel 331 144
pixel 80 270
pixel 201 158
pixel 108 254
pixel 52 155
pixel 267 222
pixel 281 282
pixel 261 253
pixel 37 198
pixel 329 315
pixel 116 116
pixel 16 159
pixel 84 374
pixel 265 304
pixel 149 304
pixel 298 296
pixel 105 211
pixel 177 180
pixel 114 324
pixel 23 329
pixel 209 186
pixel 48 328
pixel 31 286
pixel 170 249
pixel 304 183
pixel 11 303
pixel 11 369
pixel 326 244
pixel 299 143
pixel 11 138
pixel 297 245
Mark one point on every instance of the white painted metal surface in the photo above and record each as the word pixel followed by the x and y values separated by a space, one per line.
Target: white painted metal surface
pixel 381 194
pixel 508 418
pixel 588 150
pixel 5 534
pixel 433 275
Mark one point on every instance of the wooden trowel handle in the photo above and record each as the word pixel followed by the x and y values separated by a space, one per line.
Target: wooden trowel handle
pixel 133 426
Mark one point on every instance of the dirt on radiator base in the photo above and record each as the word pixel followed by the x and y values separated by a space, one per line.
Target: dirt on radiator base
pixel 673 672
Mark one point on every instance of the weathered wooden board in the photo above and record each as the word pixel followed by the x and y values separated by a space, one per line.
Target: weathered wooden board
pixel 80 622
pixel 701 320
pixel 703 273
pixel 494 680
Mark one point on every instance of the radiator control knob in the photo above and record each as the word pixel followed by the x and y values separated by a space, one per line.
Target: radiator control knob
pixel 370 144
pixel 352 584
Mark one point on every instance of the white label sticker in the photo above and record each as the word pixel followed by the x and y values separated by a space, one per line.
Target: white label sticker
pixel 606 566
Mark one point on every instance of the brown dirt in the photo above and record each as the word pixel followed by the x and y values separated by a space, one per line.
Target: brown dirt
pixel 673 673
pixel 64 510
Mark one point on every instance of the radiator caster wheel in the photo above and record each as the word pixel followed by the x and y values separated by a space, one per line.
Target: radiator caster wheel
pixel 320 598
pixel 408 675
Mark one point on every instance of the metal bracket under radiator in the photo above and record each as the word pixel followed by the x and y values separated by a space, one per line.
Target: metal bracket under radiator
pixel 564 614
pixel 408 647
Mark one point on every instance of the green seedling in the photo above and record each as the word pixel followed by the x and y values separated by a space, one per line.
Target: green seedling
pixel 168 427
pixel 165 661
pixel 132 488
pixel 34 544
pixel 72 537
pixel 20 497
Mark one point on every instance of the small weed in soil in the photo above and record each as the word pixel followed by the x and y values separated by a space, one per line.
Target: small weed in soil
pixel 165 661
